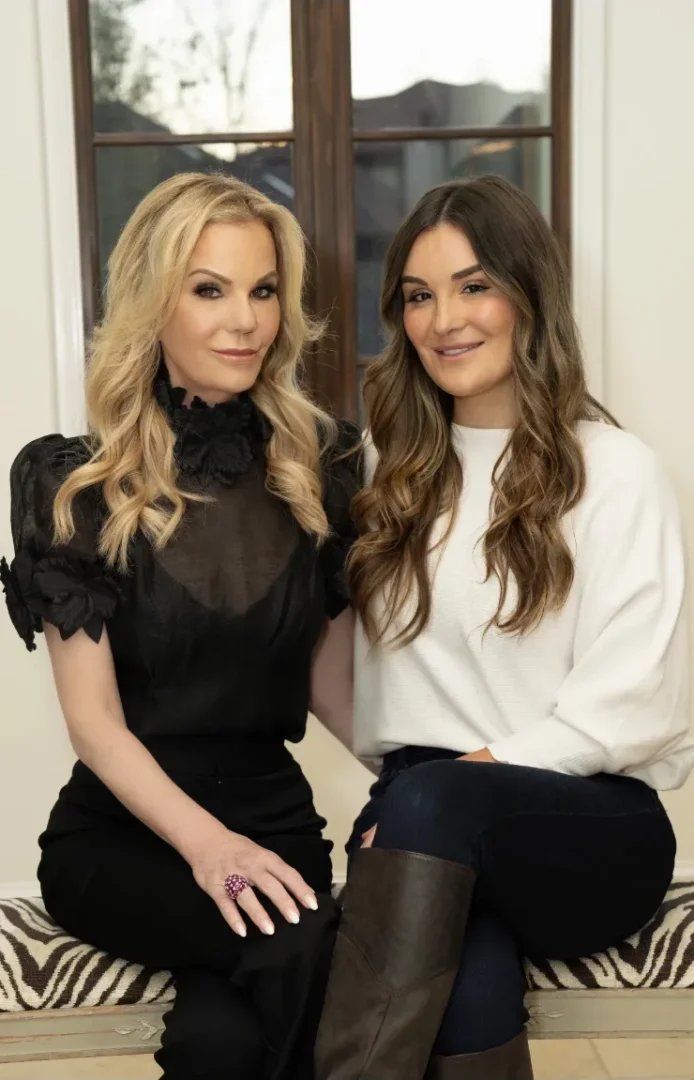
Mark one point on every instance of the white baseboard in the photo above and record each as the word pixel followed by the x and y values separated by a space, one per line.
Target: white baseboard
pixel 52 1034
pixel 10 890
pixel 19 890
pixel 684 870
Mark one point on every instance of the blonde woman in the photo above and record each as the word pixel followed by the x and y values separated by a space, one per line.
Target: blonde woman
pixel 185 561
pixel 521 664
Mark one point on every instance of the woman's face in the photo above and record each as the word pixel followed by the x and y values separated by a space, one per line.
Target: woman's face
pixel 461 327
pixel 228 313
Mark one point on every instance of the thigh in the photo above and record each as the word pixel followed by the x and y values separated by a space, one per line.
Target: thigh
pixel 571 864
pixel 486 1006
pixel 211 1028
pixel 571 885
pixel 127 892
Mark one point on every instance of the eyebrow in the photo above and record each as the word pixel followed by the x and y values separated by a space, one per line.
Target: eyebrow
pixel 226 280
pixel 408 279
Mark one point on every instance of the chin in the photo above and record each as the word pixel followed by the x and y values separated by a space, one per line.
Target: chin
pixel 463 387
pixel 237 380
pixel 243 381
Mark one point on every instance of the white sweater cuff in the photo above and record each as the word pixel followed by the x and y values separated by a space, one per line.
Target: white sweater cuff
pixel 551 744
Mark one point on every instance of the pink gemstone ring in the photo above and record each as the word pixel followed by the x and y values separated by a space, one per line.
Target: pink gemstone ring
pixel 234 885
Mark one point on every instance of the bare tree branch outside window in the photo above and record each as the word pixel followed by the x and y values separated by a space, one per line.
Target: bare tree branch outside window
pixel 119 67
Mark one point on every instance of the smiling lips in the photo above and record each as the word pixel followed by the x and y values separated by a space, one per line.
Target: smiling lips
pixel 458 350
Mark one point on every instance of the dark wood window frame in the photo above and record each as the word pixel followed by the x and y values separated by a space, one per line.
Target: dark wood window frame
pixel 322 142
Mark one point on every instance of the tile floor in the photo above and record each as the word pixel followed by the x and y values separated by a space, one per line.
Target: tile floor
pixel 570 1059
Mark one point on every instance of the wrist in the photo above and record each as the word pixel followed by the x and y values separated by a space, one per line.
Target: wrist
pixel 200 837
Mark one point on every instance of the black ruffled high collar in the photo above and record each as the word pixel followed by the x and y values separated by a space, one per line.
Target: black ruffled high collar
pixel 213 442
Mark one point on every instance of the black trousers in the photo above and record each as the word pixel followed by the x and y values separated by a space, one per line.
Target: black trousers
pixel 247 1008
pixel 566 866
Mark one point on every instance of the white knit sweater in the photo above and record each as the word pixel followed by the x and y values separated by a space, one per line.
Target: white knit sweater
pixel 601 686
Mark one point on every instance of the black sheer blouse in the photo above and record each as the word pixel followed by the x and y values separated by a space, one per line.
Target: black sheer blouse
pixel 214 634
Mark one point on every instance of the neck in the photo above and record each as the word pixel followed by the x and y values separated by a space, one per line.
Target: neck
pixel 496 408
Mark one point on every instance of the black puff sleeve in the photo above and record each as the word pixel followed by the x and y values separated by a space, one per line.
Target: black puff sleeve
pixel 342 479
pixel 68 586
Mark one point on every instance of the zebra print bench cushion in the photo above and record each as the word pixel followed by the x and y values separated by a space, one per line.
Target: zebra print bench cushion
pixel 661 956
pixel 42 967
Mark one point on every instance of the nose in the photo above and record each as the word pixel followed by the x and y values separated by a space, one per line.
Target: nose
pixel 241 317
pixel 448 316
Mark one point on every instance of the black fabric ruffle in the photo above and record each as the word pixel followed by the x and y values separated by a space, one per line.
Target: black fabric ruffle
pixel 69 592
pixel 213 442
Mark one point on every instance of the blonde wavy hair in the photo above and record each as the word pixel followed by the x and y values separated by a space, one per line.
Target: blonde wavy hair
pixel 539 477
pixel 131 442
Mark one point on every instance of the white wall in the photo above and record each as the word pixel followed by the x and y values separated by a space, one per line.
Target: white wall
pixel 34 754
pixel 640 352
pixel 649 240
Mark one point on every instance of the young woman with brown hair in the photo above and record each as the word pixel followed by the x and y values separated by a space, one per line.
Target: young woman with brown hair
pixel 521 663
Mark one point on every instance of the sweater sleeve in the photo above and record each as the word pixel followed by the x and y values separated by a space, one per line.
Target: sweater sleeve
pixel 625 702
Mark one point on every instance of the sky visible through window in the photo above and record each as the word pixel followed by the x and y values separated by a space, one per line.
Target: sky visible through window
pixel 217 65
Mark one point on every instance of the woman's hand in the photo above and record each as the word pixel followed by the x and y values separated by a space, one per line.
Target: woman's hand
pixel 479 755
pixel 229 853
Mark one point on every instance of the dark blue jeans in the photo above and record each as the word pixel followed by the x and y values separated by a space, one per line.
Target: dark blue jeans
pixel 566 867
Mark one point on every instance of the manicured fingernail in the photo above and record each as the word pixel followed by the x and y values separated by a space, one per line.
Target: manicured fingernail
pixel 293 917
pixel 241 930
pixel 268 928
pixel 312 903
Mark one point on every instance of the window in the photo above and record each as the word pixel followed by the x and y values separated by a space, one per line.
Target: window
pixel 345 111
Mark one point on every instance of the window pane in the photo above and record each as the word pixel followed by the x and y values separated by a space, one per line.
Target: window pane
pixel 390 177
pixel 126 173
pixel 191 65
pixel 450 63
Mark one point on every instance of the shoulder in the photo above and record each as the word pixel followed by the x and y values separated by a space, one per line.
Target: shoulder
pixel 614 456
pixel 36 475
pixel 623 472
pixel 64 583
pixel 48 460
pixel 341 458
pixel 342 475
pixel 347 440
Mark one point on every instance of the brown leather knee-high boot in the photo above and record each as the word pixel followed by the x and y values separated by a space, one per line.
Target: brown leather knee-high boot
pixel 397 954
pixel 508 1062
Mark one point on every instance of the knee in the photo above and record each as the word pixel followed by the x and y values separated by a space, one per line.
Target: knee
pixel 487 1007
pixel 311 942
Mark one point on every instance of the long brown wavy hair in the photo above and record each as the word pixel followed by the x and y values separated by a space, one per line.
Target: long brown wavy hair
pixel 540 475
pixel 130 438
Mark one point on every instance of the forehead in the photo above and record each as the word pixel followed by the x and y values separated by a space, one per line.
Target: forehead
pixel 239 244
pixel 440 251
